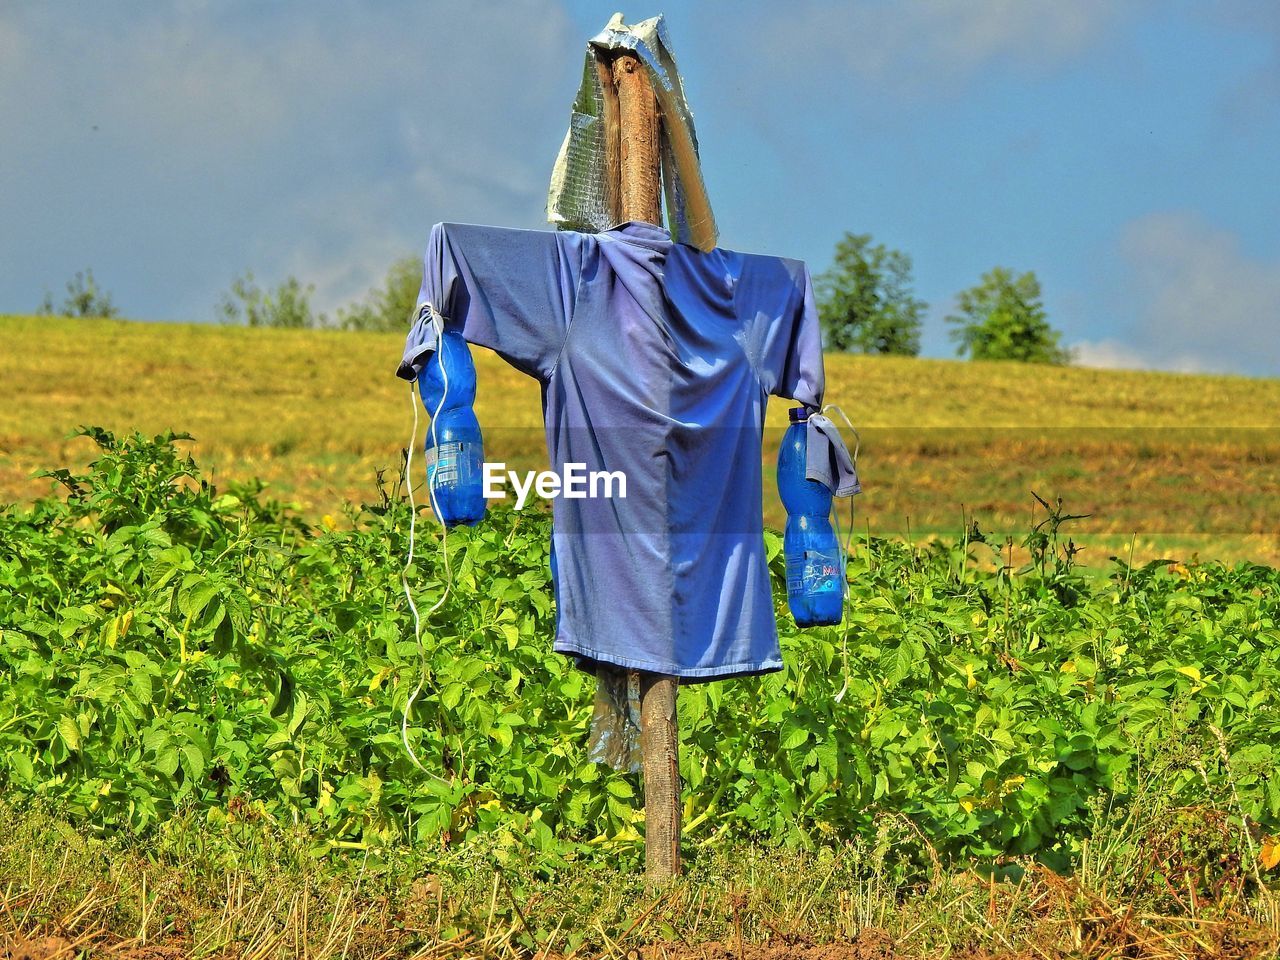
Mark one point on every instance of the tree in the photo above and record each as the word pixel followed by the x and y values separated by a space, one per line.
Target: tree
pixel 84 299
pixel 289 305
pixel 865 300
pixel 1002 318
pixel 391 307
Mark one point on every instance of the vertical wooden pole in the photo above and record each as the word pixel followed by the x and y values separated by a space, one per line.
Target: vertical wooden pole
pixel 612 141
pixel 660 740
pixel 638 123
pixel 640 199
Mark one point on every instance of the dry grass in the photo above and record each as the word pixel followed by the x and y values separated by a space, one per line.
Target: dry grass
pixel 195 893
pixel 1165 463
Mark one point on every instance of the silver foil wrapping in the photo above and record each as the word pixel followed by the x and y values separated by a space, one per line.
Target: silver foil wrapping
pixel 577 198
pixel 615 720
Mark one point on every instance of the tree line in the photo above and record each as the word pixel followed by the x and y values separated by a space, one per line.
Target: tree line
pixel 866 304
pixel 288 305
pixel 388 307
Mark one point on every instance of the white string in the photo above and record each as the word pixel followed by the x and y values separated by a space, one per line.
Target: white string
pixel 438 324
pixel 844 550
pixel 848 540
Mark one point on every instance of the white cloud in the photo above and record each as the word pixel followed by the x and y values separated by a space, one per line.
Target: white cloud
pixel 210 138
pixel 1254 97
pixel 907 47
pixel 1205 304
pixel 1112 354
pixel 1109 355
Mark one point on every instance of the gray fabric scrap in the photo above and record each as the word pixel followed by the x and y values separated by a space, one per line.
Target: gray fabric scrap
pixel 827 458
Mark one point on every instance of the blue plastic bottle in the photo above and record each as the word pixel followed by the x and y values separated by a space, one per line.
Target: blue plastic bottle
pixel 454 447
pixel 815 577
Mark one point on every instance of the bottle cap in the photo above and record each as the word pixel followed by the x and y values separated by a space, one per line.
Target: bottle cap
pixel 798 414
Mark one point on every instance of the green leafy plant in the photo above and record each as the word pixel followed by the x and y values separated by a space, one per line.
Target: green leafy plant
pixel 168 647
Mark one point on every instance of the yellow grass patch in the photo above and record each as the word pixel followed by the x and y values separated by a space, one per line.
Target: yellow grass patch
pixel 1167 463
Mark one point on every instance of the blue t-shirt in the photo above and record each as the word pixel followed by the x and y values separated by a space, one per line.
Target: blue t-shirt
pixel 655 359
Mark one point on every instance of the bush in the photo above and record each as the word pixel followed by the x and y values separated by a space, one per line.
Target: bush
pixel 84 299
pixel 392 307
pixel 289 305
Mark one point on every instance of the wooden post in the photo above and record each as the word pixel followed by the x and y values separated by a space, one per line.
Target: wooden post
pixel 638 197
pixel 638 127
pixel 612 141
pixel 660 740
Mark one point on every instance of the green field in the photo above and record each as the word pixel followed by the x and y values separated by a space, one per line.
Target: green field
pixel 201 693
pixel 1000 752
pixel 1165 463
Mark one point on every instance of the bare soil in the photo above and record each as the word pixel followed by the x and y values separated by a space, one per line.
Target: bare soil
pixel 868 945
pixel 1213 943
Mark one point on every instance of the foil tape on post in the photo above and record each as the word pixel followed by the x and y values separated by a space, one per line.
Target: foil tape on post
pixel 614 739
pixel 579 198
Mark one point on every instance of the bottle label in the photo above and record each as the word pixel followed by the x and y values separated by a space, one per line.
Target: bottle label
pixel 819 573
pixel 453 463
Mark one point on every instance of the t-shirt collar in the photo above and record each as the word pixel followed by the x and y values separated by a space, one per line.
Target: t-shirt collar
pixel 642 232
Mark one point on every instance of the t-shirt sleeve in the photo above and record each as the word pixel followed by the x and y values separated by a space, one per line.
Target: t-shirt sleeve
pixel 786 334
pixel 509 290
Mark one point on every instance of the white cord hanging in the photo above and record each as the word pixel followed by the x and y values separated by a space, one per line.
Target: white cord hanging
pixel 844 551
pixel 438 324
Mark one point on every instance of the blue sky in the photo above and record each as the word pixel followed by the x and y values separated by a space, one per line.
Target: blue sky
pixel 1125 151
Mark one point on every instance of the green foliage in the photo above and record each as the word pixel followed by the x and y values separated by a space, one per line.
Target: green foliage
pixel 1002 318
pixel 84 299
pixel 390 308
pixel 865 300
pixel 289 305
pixel 169 648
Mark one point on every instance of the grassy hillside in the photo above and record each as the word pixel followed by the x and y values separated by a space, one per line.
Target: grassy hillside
pixel 1186 463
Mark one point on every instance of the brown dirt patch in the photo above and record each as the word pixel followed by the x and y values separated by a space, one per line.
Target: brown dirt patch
pixel 60 948
pixel 867 945
pixel 39 948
